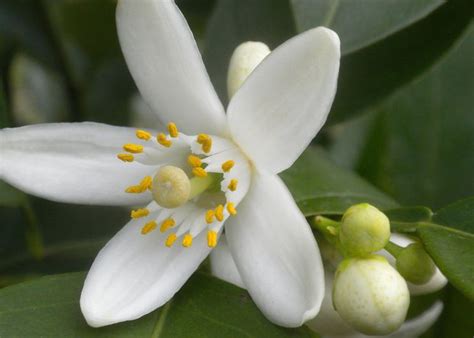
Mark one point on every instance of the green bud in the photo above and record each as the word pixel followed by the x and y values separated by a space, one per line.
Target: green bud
pixel 370 295
pixel 364 230
pixel 415 265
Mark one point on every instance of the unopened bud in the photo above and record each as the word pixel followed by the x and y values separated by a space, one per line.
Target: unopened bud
pixel 171 187
pixel 370 295
pixel 364 230
pixel 415 265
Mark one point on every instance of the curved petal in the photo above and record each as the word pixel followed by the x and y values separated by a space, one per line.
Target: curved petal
pixel 286 99
pixel 71 162
pixel 135 274
pixel 223 265
pixel 276 253
pixel 437 282
pixel 167 67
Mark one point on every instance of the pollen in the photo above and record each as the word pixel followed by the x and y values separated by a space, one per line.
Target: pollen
pixel 139 213
pixel 210 216
pixel 231 208
pixel 170 240
pixel 187 240
pixel 206 142
pixel 199 172
pixel 133 148
pixel 173 130
pixel 141 187
pixel 219 212
pixel 161 139
pixel 233 184
pixel 143 135
pixel 125 157
pixel 194 161
pixel 211 239
pixel 167 223
pixel 227 165
pixel 148 227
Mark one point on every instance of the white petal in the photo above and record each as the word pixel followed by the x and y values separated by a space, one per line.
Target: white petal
pixel 285 101
pixel 437 282
pixel 135 274
pixel 223 265
pixel 167 67
pixel 276 253
pixel 71 162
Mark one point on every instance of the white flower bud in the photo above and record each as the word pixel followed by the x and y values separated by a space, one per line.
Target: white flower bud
pixel 245 59
pixel 370 295
pixel 171 187
pixel 364 230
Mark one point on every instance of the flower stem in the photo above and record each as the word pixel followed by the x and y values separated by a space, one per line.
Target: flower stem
pixel 393 249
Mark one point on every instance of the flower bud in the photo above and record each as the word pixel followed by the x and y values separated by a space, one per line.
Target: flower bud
pixel 171 187
pixel 415 265
pixel 370 295
pixel 364 230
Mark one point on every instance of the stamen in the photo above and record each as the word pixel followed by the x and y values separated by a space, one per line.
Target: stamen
pixel 170 240
pixel 219 212
pixel 211 239
pixel 233 184
pixel 210 216
pixel 194 161
pixel 227 165
pixel 167 223
pixel 173 130
pixel 141 187
pixel 143 135
pixel 139 213
pixel 161 138
pixel 133 148
pixel 125 157
pixel 231 208
pixel 187 240
pixel 206 142
pixel 148 227
pixel 199 172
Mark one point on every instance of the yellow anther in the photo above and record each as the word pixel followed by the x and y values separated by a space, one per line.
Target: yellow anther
pixel 161 138
pixel 125 157
pixel 206 146
pixel 141 187
pixel 219 212
pixel 199 172
pixel 143 135
pixel 139 213
pixel 211 239
pixel 133 148
pixel 173 130
pixel 146 182
pixel 233 184
pixel 170 240
pixel 202 138
pixel 149 227
pixel 187 240
pixel 231 208
pixel 210 216
pixel 194 161
pixel 227 165
pixel 167 223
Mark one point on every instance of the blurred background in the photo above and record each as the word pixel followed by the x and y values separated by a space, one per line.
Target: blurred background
pixel 402 119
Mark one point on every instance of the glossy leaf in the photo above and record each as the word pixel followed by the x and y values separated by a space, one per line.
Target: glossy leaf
pixel 205 307
pixel 409 214
pixel 362 22
pixel 459 215
pixel 320 187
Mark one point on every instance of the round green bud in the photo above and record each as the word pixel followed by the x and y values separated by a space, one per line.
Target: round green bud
pixel 171 187
pixel 364 230
pixel 415 265
pixel 370 295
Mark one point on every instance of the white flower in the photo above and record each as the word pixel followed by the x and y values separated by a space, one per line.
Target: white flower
pixel 269 122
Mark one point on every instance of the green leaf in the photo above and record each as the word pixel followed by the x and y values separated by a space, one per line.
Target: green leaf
pixel 371 74
pixel 362 22
pixel 237 21
pixel 205 307
pixel 320 187
pixel 409 214
pixel 453 253
pixel 418 151
pixel 459 215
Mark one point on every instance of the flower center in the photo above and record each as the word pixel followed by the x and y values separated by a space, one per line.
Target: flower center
pixel 198 183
